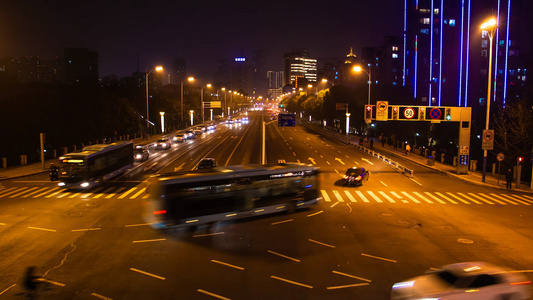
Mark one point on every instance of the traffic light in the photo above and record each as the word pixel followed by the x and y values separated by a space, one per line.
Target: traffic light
pixel 448 114
pixel 368 112
pixel 520 160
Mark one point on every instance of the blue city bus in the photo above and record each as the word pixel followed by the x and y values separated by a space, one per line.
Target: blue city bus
pixel 191 198
pixel 95 164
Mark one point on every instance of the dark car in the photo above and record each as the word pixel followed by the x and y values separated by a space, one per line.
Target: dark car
pixel 163 143
pixel 190 134
pixel 355 176
pixel 207 163
pixel 140 153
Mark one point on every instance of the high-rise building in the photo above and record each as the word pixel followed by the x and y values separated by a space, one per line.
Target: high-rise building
pixel 179 71
pixel 299 69
pixel 241 75
pixel 81 66
pixel 259 78
pixel 221 78
pixel 275 84
pixel 446 53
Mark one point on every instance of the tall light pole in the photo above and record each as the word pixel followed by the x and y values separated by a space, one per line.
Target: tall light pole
pixel 202 99
pixel 224 108
pixel 162 113
pixel 190 79
pixel 490 26
pixel 358 69
pixel 157 69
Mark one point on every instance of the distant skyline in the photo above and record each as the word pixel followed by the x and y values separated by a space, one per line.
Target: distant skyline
pixel 127 34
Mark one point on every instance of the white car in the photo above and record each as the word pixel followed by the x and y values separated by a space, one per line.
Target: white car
pixel 465 281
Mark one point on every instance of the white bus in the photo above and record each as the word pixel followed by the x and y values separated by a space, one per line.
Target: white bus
pixel 231 192
pixel 95 164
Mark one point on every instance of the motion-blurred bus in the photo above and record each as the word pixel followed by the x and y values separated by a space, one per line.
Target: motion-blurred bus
pixel 95 164
pixel 225 193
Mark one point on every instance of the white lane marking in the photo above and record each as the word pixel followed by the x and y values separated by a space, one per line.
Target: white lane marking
pixel 338 195
pixel 378 200
pixel 325 196
pixel 377 257
pixel 411 197
pixel 148 274
pixel 422 197
pixel 292 282
pixel 387 197
pixel 362 196
pixel 352 199
pixel 436 198
pixel 284 256
pixel 442 196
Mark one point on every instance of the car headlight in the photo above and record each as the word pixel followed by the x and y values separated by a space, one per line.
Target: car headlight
pixel 85 184
pixel 138 156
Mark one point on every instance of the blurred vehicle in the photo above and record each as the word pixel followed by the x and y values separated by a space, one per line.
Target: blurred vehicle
pixel 140 153
pixel 197 131
pixel 179 138
pixel 355 176
pixel 190 134
pixel 468 280
pixel 207 163
pixel 245 120
pixel 163 143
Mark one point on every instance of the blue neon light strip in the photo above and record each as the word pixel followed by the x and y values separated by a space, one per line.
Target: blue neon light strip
pixel 506 53
pixel 440 50
pixel 404 39
pixel 496 51
pixel 431 54
pixel 416 64
pixel 461 47
pixel 467 55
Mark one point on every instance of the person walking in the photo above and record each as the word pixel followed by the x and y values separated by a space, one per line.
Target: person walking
pixel 509 178
pixel 407 149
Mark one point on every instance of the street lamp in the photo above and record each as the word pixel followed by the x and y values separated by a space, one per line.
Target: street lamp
pixel 490 26
pixel 190 79
pixel 358 69
pixel 202 99
pixel 325 80
pixel 191 113
pixel 157 69
pixel 162 113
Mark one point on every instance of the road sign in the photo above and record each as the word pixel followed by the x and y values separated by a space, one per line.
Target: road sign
pixel 500 156
pixel 435 113
pixel 382 108
pixel 287 120
pixel 340 106
pixel 487 142
pixel 409 113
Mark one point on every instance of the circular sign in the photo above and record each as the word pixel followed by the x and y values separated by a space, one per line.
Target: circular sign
pixel 382 106
pixel 500 156
pixel 487 136
pixel 409 113
pixel 435 113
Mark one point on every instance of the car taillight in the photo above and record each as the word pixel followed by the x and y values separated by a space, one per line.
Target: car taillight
pixel 345 176
pixel 520 283
pixel 358 178
pixel 160 212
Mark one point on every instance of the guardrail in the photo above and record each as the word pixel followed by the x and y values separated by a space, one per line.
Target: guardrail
pixel 346 140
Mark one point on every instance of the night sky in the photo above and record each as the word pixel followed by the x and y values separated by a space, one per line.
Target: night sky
pixel 142 34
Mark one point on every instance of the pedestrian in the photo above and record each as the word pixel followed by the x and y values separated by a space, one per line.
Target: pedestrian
pixel 407 149
pixel 383 142
pixel 30 283
pixel 371 143
pixel 509 178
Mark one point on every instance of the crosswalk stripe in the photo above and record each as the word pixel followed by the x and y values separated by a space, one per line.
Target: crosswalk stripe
pixel 65 193
pixel 465 196
pixel 86 195
pixel 387 197
pixel 8 191
pixel 138 193
pixel 476 196
pixel 493 199
pixel 523 198
pixel 103 193
pixel 458 198
pixel 423 197
pixel 350 196
pixel 506 200
pixel 47 191
pixel 399 197
pixel 325 196
pixel 113 194
pixel 127 193
pixel 24 191
pixel 444 197
pixel 362 196
pixel 411 197
pixel 34 192
pixel 514 199
pixel 378 200
pixel 529 197
pixel 53 194
pixel 74 195
pixel 338 196
pixel 436 198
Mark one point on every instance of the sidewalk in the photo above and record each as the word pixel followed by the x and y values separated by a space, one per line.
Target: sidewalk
pixel 471 177
pixel 37 168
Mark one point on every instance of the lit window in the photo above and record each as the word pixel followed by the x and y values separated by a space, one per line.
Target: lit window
pixel 425 21
pixel 394 55
pixel 394 48
pixel 436 11
pixel 524 78
pixel 452 22
pixel 484 44
pixel 424 31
